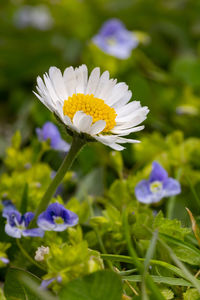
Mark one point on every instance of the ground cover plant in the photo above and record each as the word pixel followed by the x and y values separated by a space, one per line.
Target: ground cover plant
pixel 99 150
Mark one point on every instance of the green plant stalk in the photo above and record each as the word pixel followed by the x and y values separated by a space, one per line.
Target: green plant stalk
pixel 172 200
pixel 77 145
pixel 28 256
pixel 148 280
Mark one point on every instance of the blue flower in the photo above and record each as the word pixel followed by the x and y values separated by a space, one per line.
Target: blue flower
pixel 17 225
pixel 47 282
pixel 4 260
pixel 158 186
pixel 8 207
pixel 51 132
pixel 57 218
pixel 115 39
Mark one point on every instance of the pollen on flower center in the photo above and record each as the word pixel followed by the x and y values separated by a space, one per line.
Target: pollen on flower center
pixel 156 186
pixel 92 106
pixel 58 220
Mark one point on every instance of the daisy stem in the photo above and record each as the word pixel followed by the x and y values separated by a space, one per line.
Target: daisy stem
pixel 76 146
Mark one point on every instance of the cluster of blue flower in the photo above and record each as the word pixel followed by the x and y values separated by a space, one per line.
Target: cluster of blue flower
pixel 55 218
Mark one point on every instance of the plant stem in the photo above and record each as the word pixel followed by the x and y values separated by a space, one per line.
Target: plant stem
pixel 76 146
pixel 28 256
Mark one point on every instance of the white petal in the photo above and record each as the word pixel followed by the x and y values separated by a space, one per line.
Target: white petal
pixel 58 82
pixel 81 79
pixel 93 81
pixel 50 89
pixel 111 145
pixel 124 140
pixel 85 123
pixel 129 117
pixel 119 90
pixel 97 127
pixel 123 132
pixel 70 81
pixel 106 90
pixel 116 147
pixel 13 231
pixel 102 81
pixel 127 109
pixel 137 119
pixel 123 100
pixel 43 100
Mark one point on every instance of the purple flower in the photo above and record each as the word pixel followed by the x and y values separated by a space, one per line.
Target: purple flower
pixel 4 260
pixel 47 282
pixel 57 218
pixel 17 225
pixel 51 132
pixel 115 39
pixel 157 187
pixel 8 207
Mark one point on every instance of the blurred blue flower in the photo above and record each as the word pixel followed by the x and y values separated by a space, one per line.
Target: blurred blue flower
pixel 4 260
pixel 115 39
pixel 157 187
pixel 17 225
pixel 8 207
pixel 57 218
pixel 51 132
pixel 47 282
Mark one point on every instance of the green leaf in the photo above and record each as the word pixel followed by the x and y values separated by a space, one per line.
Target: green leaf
pixel 159 279
pixel 14 287
pixel 167 293
pixel 24 200
pixel 101 285
pixel 170 227
pixel 183 250
pixel 191 294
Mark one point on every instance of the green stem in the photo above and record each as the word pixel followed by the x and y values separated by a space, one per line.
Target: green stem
pixel 148 280
pixel 76 146
pixel 172 200
pixel 28 256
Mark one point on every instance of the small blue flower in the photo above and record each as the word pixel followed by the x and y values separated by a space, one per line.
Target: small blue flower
pixel 47 282
pixel 8 207
pixel 4 260
pixel 157 187
pixel 17 225
pixel 51 132
pixel 115 39
pixel 57 218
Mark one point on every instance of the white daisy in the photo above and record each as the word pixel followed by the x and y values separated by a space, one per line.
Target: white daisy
pixel 97 106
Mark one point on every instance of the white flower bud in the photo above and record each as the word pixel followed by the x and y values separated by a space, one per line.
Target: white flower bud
pixel 41 251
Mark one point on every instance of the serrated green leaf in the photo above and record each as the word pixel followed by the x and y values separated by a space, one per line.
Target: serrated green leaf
pixel 191 294
pixel 170 227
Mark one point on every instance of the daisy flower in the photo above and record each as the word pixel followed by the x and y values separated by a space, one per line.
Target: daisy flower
pixel 96 107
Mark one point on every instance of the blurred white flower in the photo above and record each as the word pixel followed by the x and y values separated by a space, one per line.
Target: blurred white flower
pixel 33 16
pixel 96 106
pixel 41 252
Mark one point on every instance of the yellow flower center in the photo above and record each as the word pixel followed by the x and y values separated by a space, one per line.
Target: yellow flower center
pixel 91 106
pixel 58 220
pixel 156 186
